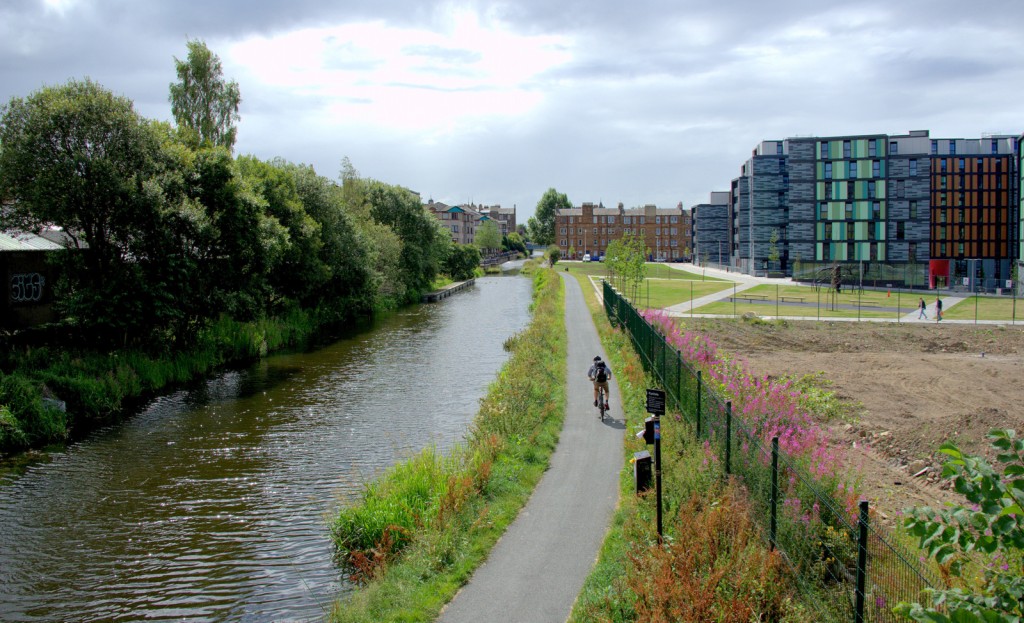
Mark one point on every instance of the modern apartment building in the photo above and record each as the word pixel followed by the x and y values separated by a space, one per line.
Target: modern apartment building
pixel 897 208
pixel 711 240
pixel 590 228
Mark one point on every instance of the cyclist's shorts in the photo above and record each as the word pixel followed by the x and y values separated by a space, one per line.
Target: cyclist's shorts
pixel 601 385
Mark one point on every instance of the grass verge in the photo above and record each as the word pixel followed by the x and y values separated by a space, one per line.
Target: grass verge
pixel 420 530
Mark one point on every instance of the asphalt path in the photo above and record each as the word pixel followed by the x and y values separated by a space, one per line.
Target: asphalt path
pixel 537 568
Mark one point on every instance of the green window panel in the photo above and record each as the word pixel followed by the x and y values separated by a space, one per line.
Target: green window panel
pixel 819 231
pixel 860 148
pixel 881 250
pixel 836 210
pixel 862 210
pixel 880 186
pixel 819 251
pixel 820 190
pixel 860 230
pixel 819 170
pixel 835 149
pixel 864 169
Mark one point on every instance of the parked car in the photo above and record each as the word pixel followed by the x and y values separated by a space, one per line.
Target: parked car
pixel 586 257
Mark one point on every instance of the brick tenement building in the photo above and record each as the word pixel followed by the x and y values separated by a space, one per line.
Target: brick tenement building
pixel 589 229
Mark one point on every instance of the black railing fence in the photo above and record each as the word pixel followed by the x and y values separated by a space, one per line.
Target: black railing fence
pixel 847 569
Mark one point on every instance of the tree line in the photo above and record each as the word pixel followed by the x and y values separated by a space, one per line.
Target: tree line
pixel 174 230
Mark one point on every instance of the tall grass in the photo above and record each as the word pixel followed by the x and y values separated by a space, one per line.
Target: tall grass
pixel 94 387
pixel 416 534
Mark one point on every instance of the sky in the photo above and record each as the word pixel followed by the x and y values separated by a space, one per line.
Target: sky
pixel 495 102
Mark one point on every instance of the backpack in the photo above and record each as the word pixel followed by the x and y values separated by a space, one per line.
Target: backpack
pixel 601 374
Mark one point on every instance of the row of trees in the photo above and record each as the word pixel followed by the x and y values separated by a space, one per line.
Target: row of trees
pixel 173 229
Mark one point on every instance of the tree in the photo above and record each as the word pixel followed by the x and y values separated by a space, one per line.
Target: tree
pixel 514 242
pixel 80 158
pixel 462 262
pixel 991 527
pixel 204 106
pixel 553 254
pixel 542 228
pixel 487 237
pixel 626 257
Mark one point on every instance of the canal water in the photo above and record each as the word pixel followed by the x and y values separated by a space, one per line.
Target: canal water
pixel 212 503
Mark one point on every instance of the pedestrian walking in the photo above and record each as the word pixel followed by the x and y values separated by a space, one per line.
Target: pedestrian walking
pixel 922 306
pixel 938 309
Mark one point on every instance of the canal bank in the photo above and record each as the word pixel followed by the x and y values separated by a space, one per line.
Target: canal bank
pixel 211 503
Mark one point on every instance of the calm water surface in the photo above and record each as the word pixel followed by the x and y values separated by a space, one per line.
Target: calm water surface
pixel 212 503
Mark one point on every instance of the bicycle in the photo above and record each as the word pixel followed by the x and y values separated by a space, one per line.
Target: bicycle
pixel 602 403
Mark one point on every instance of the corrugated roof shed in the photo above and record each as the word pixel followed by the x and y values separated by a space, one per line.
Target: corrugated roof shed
pixel 26 242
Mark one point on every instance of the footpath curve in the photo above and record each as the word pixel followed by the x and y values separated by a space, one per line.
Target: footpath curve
pixel 537 569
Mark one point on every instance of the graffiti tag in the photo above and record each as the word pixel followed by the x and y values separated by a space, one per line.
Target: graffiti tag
pixel 27 287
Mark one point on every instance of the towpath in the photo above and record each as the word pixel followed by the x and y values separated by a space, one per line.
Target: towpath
pixel 537 569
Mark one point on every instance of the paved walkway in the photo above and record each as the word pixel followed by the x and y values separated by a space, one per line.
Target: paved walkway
pixel 537 569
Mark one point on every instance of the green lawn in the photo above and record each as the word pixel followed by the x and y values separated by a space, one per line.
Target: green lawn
pixel 984 308
pixel 655 270
pixel 659 293
pixel 784 300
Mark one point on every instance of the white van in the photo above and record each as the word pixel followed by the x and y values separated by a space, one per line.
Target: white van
pixel 586 257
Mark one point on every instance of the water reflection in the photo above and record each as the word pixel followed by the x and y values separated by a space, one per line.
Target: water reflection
pixel 211 504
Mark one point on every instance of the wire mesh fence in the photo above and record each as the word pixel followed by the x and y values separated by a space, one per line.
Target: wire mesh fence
pixel 846 568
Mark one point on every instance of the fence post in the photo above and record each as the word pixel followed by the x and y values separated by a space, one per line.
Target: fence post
pixel 679 381
pixel 728 438
pixel 862 562
pixel 700 387
pixel 773 526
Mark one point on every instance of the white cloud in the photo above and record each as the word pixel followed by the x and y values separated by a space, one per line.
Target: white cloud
pixel 432 82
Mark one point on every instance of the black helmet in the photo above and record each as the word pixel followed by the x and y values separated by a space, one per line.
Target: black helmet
pixel 598 358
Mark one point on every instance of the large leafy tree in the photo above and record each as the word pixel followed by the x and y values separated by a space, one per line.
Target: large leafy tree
pixel 488 237
pixel 542 226
pixel 204 105
pixel 347 289
pixel 80 158
pixel 424 243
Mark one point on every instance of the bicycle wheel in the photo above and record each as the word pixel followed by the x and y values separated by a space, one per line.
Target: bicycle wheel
pixel 602 405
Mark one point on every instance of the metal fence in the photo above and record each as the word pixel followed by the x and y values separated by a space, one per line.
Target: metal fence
pixel 847 569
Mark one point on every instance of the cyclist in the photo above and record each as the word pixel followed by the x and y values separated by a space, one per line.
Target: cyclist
pixel 599 373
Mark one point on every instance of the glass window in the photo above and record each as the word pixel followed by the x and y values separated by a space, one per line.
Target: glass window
pixel 846 149
pixel 995 146
pixel 900 230
pixel 778 147
pixel 913 210
pixel 913 167
pixel 893 148
pixel 823 149
pixel 852 172
pixel 876 210
pixel 935 147
pixel 872 149
pixel 849 210
pixel 876 168
pixel 828 170
pixel 952 147
pixel 942 165
pixel 822 210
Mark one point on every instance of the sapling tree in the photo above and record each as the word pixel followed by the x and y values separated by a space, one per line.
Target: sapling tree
pixel 991 527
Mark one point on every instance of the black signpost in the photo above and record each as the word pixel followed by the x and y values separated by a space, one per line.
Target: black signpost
pixel 656 407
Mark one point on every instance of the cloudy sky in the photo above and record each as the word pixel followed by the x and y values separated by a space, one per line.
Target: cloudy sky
pixel 491 102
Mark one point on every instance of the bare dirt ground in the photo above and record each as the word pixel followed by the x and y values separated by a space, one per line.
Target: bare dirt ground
pixel 916 386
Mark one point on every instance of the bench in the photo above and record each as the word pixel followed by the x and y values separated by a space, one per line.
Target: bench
pixel 751 297
pixel 794 299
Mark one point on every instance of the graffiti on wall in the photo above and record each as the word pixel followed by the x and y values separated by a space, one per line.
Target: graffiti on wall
pixel 27 287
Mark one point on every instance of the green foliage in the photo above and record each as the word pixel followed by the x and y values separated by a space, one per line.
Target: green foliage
pixel 542 226
pixel 462 262
pixel 488 237
pixel 203 104
pixel 626 259
pixel 990 528
pixel 514 242
pixel 553 254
